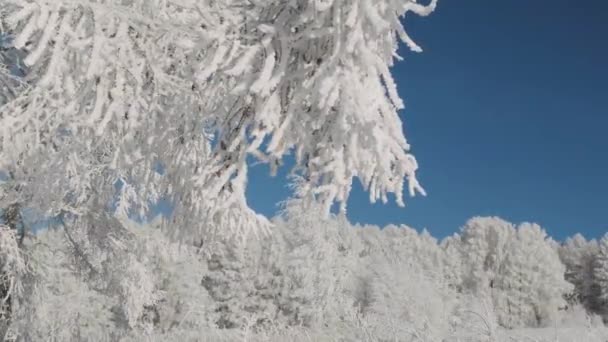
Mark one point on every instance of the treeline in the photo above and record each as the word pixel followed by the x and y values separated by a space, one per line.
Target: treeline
pixel 324 278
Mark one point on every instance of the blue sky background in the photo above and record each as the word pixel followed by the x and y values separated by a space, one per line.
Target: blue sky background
pixel 507 113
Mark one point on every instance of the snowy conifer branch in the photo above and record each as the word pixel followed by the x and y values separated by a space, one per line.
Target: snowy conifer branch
pixel 314 78
pixel 118 88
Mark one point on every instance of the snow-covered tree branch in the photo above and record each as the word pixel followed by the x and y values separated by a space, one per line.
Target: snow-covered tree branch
pixel 120 89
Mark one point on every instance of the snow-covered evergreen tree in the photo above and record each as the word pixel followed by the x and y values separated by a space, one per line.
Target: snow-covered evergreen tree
pixel 242 281
pixel 516 269
pixel 401 290
pixel 530 287
pixel 314 266
pixel 579 257
pixel 601 277
pixel 484 243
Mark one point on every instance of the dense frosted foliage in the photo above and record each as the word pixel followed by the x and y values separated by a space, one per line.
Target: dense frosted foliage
pixel 12 270
pixel 600 273
pixel 579 257
pixel 133 101
pixel 109 106
pixel 312 279
pixel 516 268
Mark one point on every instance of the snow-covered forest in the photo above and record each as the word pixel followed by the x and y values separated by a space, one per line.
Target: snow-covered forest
pixel 312 279
pixel 109 106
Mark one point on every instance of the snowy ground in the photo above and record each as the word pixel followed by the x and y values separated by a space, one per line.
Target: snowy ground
pixel 555 335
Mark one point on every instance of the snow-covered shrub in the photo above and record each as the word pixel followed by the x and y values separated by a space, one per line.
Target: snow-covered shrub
pixel 473 319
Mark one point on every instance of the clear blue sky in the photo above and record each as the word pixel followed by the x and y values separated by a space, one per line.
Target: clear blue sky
pixel 507 114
